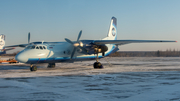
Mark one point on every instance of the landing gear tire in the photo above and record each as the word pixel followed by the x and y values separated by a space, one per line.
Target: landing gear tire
pixel 51 65
pixel 33 68
pixel 98 65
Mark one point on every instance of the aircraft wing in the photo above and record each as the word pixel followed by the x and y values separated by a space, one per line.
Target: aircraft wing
pixel 24 45
pixel 102 42
pixel 122 42
pixel 20 45
pixel 8 49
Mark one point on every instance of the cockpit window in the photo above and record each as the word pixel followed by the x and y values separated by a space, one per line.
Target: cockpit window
pixel 37 47
pixel 40 47
pixel 28 47
pixel 32 47
pixel 44 47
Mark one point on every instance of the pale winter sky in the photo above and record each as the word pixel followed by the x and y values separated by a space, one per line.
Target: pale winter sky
pixel 54 20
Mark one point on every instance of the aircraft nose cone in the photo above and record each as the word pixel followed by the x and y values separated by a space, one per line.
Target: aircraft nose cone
pixel 21 58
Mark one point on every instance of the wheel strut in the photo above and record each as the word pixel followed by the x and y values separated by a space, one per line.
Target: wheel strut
pixel 97 58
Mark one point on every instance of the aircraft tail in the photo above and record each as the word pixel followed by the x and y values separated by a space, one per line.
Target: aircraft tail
pixel 2 41
pixel 112 34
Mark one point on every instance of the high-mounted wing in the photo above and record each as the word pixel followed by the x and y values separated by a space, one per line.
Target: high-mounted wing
pixel 8 49
pixel 24 45
pixel 20 45
pixel 122 42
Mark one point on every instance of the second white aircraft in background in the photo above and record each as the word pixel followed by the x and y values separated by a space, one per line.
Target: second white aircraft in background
pixel 2 44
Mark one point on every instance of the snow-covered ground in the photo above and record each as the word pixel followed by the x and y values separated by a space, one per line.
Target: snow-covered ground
pixel 125 79
pixel 111 65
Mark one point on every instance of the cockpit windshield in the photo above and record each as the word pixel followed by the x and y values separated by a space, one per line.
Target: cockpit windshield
pixel 44 47
pixel 32 47
pixel 36 47
pixel 40 47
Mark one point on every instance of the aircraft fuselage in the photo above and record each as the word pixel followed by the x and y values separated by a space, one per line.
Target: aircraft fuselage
pixel 58 52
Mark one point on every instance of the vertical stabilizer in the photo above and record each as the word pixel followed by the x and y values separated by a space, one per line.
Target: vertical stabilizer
pixel 112 34
pixel 2 41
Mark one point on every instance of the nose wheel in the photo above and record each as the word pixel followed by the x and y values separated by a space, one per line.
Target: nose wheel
pixel 33 68
pixel 51 65
pixel 97 65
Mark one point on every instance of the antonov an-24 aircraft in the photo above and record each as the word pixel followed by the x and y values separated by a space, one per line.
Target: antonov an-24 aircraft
pixel 70 51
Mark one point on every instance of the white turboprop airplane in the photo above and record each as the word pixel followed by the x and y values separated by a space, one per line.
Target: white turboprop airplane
pixel 70 51
pixel 2 44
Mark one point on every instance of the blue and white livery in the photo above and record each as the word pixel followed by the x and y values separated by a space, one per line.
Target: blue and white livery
pixel 70 51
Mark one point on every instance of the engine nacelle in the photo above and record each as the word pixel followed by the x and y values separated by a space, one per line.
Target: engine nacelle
pixel 100 48
pixel 91 48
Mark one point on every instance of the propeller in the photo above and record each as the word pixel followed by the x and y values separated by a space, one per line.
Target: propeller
pixel 76 44
pixel 69 41
pixel 79 35
pixel 28 37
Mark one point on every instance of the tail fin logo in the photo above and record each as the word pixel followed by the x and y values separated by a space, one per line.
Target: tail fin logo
pixel 113 31
pixel 2 41
pixel 112 34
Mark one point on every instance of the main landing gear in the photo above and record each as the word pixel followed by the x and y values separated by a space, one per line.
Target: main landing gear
pixel 97 65
pixel 33 68
pixel 51 65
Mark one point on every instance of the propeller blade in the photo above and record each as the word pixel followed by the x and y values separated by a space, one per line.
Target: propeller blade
pixel 28 37
pixel 69 41
pixel 76 44
pixel 79 35
pixel 72 54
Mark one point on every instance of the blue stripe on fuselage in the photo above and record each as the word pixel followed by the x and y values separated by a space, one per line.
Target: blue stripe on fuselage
pixel 67 59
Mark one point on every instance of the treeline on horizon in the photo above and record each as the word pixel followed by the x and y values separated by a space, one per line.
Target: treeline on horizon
pixel 167 53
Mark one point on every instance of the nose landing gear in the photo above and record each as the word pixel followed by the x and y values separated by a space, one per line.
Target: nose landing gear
pixel 33 68
pixel 51 65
